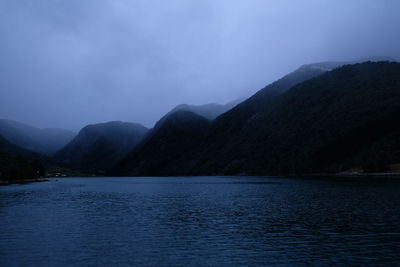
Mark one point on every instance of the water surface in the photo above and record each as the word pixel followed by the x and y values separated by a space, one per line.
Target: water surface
pixel 212 221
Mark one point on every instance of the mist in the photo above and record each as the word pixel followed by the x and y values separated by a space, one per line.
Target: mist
pixel 70 63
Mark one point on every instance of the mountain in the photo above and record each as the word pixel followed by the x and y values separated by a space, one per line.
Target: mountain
pixel 11 149
pixel 17 163
pixel 236 115
pixel 44 141
pixel 304 123
pixel 208 111
pixel 97 147
pixel 266 96
pixel 160 153
pixel 15 168
pixel 322 124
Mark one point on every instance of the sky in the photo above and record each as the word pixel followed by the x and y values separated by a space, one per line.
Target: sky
pixel 69 63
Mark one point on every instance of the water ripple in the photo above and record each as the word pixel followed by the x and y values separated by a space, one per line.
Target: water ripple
pixel 199 221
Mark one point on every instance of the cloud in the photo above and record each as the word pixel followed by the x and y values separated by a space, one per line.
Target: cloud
pixel 70 63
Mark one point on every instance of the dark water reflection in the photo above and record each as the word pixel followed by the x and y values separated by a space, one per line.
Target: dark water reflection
pixel 200 221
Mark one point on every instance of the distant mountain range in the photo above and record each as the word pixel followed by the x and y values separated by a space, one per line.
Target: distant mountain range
pixel 98 147
pixel 208 111
pixel 304 123
pixel 11 149
pixel 162 150
pixel 322 117
pixel 44 141
pixel 140 162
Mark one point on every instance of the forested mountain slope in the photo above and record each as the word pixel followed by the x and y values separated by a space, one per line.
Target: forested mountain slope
pixel 341 119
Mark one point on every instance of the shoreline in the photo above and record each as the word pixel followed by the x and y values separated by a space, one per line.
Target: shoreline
pixel 23 181
pixel 382 175
pixel 344 175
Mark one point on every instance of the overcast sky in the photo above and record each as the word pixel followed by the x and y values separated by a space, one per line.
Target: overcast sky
pixel 68 63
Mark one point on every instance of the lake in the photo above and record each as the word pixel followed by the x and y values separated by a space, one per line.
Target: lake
pixel 227 221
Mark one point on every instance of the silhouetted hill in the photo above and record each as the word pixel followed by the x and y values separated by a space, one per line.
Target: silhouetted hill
pixel 17 163
pixel 208 111
pixel 331 121
pixel 44 141
pixel 240 112
pixel 323 124
pixel 9 148
pixel 161 151
pixel 100 146
pixel 261 100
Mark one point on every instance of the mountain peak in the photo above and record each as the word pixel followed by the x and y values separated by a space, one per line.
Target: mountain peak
pixel 209 111
pixel 45 141
pixel 100 146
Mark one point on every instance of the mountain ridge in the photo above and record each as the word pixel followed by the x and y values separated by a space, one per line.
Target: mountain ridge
pixel 44 141
pixel 17 163
pixel 178 130
pixel 277 137
pixel 209 111
pixel 97 147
